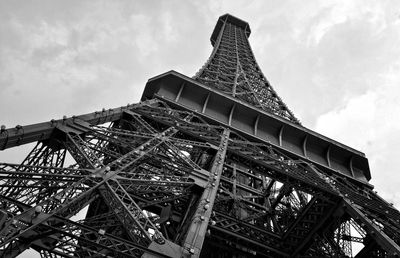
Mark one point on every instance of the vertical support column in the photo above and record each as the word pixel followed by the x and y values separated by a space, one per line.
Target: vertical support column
pixel 328 156
pixel 197 230
pixel 180 92
pixel 256 125
pixel 231 115
pixel 234 179
pixel 351 166
pixel 305 146
pixel 280 135
pixel 237 68
pixel 203 110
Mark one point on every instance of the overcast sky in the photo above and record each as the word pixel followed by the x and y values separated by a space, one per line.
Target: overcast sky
pixel 336 64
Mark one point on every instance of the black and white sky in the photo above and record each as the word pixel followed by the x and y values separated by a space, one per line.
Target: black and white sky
pixel 336 64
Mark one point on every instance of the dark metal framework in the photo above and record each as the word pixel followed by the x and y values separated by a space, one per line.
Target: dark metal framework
pixel 213 167
pixel 233 69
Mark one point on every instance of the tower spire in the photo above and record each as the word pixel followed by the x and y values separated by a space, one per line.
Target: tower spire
pixel 233 70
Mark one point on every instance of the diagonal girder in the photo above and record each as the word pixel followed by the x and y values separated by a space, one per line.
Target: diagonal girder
pixel 73 194
pixel 130 214
pixel 196 232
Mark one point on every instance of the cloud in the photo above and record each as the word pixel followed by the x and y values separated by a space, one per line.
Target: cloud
pixel 144 38
pixel 326 51
pixel 332 13
pixel 370 123
pixel 53 60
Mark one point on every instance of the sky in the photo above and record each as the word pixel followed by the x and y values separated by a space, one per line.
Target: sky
pixel 336 64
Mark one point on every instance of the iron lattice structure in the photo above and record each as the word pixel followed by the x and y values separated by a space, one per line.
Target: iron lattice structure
pixel 210 166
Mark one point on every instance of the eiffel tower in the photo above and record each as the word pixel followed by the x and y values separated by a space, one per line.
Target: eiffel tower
pixel 210 166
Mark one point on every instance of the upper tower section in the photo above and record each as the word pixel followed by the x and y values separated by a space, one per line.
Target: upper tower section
pixel 232 20
pixel 232 69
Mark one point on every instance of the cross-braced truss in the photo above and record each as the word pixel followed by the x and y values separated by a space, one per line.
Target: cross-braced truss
pixel 233 70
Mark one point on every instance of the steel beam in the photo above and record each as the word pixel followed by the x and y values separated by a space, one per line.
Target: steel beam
pixel 197 230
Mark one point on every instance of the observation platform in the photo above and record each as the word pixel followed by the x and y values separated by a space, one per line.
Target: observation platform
pixel 294 140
